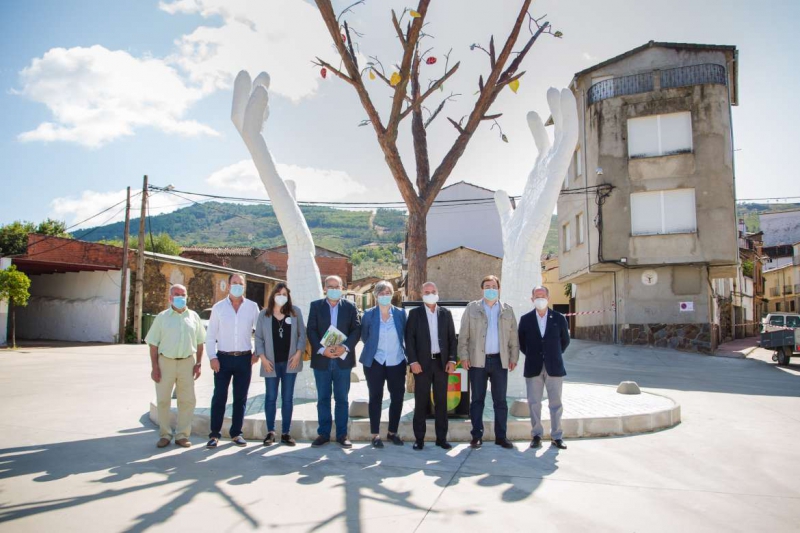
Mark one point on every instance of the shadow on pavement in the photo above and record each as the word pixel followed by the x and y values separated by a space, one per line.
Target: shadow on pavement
pixel 182 475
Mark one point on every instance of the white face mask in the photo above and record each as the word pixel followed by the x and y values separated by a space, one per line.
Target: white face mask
pixel 540 303
pixel 281 299
pixel 430 299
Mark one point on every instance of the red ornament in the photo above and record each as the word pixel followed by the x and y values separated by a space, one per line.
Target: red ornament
pixel 344 38
pixel 323 72
pixel 431 60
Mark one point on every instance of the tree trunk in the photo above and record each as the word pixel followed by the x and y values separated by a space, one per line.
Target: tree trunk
pixel 13 323
pixel 417 252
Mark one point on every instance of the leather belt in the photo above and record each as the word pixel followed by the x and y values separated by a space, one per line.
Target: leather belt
pixel 492 355
pixel 436 355
pixel 235 354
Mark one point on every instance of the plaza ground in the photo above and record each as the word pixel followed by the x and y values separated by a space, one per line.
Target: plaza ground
pixel 77 454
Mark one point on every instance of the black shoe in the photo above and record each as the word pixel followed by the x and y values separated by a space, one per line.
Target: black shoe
pixel 476 443
pixel 377 442
pixel 270 439
pixel 394 438
pixel 212 443
pixel 444 444
pixel 418 445
pixel 287 440
pixel 320 441
pixel 558 443
pixel 344 442
pixel 536 442
pixel 505 443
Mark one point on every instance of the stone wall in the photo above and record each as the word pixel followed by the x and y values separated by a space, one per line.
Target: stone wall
pixel 156 289
pixel 604 333
pixel 683 337
pixel 201 290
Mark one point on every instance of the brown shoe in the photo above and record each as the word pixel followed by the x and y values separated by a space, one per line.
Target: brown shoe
pixel 163 442
pixel 183 443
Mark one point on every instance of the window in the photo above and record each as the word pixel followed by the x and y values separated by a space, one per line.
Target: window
pixel 658 135
pixel 791 306
pixel 578 163
pixel 778 308
pixel 792 321
pixel 580 225
pixel 663 212
pixel 565 236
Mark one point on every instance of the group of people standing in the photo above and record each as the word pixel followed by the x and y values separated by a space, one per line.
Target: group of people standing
pixel 488 345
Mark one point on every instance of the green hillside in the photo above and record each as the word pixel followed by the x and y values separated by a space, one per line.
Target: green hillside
pixel 750 212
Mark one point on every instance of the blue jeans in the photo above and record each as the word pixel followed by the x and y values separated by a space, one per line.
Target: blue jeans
pixel 286 380
pixel 337 381
pixel 478 381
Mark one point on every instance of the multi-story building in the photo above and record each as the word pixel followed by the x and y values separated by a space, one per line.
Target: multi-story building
pixel 647 215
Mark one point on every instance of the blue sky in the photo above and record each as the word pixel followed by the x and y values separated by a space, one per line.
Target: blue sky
pixel 96 93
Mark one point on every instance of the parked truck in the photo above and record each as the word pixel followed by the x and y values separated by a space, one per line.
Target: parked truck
pixel 781 333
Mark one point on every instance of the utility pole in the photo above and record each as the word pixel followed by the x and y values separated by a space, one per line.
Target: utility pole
pixel 139 294
pixel 123 286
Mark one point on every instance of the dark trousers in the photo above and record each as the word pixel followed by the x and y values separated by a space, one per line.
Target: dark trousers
pixel 240 369
pixel 478 380
pixel 337 381
pixel 395 378
pixel 286 381
pixel 434 375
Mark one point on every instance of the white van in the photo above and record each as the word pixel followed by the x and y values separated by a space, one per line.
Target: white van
pixel 777 321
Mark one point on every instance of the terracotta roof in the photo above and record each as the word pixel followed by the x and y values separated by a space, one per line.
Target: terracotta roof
pixel 220 250
pixel 463 248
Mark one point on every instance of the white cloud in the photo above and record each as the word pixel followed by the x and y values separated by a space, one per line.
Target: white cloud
pixel 75 209
pixel 313 184
pixel 277 36
pixel 97 95
pixel 589 57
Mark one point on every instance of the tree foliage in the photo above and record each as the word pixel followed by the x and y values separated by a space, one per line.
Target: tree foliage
pixel 14 286
pixel 14 236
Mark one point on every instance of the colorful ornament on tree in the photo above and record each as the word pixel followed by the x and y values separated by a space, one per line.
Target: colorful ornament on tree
pixel 431 60
pixel 371 75
pixel 514 85
pixel 323 72
pixel 344 38
pixel 395 79
pixel 414 14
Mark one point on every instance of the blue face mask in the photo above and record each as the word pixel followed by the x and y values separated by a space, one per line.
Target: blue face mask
pixel 237 290
pixel 334 294
pixel 179 302
pixel 491 294
pixel 385 300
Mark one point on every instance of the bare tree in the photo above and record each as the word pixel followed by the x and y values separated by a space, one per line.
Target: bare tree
pixel 408 101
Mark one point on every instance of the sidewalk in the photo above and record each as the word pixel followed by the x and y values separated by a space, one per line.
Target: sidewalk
pixel 738 348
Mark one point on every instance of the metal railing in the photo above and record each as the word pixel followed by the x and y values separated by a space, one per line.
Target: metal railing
pixel 787 289
pixel 638 83
pixel 693 75
pixel 774 291
pixel 797 288
pixel 670 78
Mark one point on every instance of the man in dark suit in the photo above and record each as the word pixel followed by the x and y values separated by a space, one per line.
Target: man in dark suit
pixel 543 337
pixel 431 348
pixel 332 364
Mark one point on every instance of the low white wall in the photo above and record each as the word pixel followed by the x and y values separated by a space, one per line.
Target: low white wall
pixel 77 306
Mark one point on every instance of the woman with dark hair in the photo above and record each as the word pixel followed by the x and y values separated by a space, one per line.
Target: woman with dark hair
pixel 280 343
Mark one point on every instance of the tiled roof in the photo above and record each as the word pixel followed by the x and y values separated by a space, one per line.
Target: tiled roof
pixel 220 250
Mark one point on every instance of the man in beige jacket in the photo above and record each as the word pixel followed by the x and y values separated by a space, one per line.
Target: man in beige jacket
pixel 488 346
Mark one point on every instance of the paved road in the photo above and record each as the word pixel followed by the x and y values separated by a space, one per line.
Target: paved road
pixel 77 454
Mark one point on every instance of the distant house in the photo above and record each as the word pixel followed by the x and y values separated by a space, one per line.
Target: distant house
pixel 781 230
pixel 648 230
pixel 237 258
pixel 782 285
pixel 458 272
pixel 274 262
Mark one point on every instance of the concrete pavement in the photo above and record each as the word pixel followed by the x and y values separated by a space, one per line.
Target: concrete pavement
pixel 77 454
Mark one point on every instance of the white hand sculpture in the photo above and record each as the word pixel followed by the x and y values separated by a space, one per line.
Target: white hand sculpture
pixel 525 228
pixel 249 113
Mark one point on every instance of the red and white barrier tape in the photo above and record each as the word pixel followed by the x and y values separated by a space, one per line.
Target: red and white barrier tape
pixel 612 308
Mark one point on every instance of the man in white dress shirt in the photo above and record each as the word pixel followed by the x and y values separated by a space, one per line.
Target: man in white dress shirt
pixel 230 351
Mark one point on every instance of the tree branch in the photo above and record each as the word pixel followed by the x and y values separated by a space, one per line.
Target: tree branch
pixel 457 126
pixel 417 102
pixel 320 63
pixel 439 109
pixel 418 133
pixel 398 29
pixel 350 45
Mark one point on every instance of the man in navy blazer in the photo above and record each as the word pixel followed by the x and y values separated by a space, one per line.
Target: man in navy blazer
pixel 543 337
pixel 332 364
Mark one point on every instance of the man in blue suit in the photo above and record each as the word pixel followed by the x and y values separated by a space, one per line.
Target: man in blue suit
pixel 543 337
pixel 332 364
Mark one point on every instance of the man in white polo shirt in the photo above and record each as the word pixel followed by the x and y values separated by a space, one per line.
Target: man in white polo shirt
pixel 230 350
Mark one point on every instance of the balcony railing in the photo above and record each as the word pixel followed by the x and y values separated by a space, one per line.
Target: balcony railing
pixel 797 288
pixel 787 289
pixel 670 78
pixel 693 75
pixel 774 291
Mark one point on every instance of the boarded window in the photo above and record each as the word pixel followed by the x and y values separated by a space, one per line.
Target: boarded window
pixel 658 135
pixel 565 237
pixel 663 212
pixel 580 226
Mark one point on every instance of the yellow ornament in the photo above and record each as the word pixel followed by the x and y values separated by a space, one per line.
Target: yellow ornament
pixel 414 14
pixel 371 75
pixel 514 85
pixel 395 79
